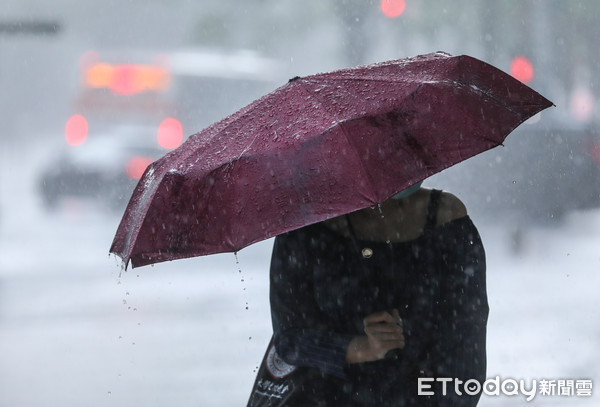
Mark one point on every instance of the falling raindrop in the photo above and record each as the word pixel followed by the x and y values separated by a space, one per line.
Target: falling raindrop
pixel 242 279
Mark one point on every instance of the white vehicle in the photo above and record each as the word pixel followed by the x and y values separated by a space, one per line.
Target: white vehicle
pixel 132 108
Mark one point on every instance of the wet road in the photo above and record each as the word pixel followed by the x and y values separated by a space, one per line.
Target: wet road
pixel 76 331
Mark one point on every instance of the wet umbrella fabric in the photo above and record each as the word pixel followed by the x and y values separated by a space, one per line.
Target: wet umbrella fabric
pixel 318 147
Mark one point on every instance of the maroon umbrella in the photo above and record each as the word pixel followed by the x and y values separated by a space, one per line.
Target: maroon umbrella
pixel 318 147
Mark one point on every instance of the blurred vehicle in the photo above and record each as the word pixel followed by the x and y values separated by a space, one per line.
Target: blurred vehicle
pixel 131 107
pixel 104 168
pixel 559 171
pixel 208 85
pixel 189 87
pixel 546 170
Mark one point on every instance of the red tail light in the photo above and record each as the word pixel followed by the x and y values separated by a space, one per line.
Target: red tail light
pixel 126 79
pixel 392 8
pixel 521 68
pixel 170 133
pixel 76 130
pixel 136 166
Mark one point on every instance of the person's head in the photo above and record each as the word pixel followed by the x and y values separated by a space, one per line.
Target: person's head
pixel 408 191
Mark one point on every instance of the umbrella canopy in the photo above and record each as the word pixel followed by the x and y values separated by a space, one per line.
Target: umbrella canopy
pixel 319 147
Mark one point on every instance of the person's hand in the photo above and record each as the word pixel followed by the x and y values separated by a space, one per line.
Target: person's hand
pixel 383 333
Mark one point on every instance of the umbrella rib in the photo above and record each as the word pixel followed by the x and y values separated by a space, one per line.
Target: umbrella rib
pixel 362 164
pixel 247 147
pixel 341 125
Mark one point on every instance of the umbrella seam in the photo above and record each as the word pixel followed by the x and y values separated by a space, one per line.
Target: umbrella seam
pixel 341 125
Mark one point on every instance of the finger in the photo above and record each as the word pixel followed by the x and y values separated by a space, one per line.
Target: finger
pixel 379 317
pixel 388 346
pixel 384 327
pixel 396 316
pixel 391 341
pixel 399 344
pixel 387 330
pixel 388 338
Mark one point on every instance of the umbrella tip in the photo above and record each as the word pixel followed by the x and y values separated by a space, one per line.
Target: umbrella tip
pixel 294 79
pixel 119 261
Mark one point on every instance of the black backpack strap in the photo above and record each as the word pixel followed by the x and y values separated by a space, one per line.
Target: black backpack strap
pixel 432 209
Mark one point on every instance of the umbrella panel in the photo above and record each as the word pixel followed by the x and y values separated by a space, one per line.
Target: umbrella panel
pixel 319 147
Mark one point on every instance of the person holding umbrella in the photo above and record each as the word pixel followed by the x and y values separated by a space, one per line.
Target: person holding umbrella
pixel 371 301
pixel 369 293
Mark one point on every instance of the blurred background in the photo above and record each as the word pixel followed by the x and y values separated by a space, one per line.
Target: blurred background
pixel 92 92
